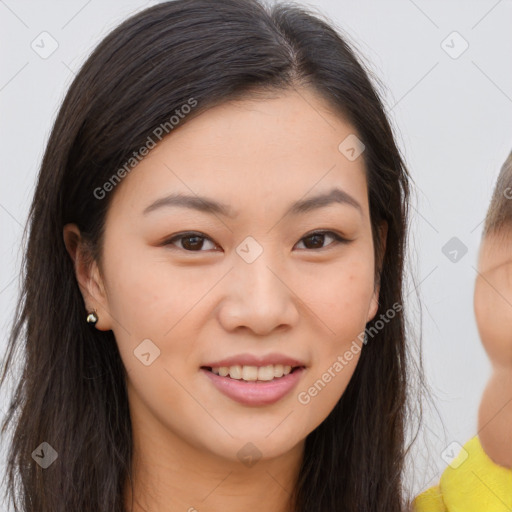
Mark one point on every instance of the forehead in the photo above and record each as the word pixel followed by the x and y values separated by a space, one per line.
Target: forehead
pixel 261 150
pixel 495 250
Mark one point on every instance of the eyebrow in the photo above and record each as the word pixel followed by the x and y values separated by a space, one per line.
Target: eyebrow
pixel 207 205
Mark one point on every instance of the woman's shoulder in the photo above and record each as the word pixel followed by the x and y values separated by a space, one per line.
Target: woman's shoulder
pixel 472 482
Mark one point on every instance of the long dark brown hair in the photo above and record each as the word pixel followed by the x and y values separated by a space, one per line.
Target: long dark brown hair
pixel 71 391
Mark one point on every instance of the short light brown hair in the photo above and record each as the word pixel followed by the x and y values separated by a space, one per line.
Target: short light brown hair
pixel 499 214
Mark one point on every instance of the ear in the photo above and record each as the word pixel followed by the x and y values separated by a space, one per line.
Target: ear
pixel 381 250
pixel 88 276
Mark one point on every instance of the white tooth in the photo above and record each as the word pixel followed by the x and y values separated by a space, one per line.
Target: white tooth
pixel 250 372
pixel 266 372
pixel 278 370
pixel 235 372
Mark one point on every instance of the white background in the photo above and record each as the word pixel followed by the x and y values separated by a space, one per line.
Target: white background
pixel 452 117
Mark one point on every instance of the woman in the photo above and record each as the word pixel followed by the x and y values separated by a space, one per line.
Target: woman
pixel 213 278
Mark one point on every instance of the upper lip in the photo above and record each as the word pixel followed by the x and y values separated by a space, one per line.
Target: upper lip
pixel 254 360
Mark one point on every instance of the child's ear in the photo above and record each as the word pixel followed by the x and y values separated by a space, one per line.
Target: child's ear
pixel 88 276
pixel 380 251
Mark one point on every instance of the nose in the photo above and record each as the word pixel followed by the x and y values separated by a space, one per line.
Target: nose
pixel 258 298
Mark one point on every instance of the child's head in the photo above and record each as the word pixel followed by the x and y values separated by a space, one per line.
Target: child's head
pixel 493 287
pixel 493 309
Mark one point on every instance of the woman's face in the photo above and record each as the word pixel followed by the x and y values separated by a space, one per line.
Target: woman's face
pixel 251 280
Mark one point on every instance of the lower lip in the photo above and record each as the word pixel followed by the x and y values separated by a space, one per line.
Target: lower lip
pixel 255 392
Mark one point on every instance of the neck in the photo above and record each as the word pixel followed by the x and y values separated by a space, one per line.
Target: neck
pixel 168 475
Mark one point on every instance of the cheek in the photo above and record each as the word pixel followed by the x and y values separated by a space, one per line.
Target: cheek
pixel 493 312
pixel 326 383
pixel 148 295
pixel 339 295
pixel 342 303
pixel 155 310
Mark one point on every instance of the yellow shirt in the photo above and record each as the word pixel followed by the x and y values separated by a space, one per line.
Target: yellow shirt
pixel 472 482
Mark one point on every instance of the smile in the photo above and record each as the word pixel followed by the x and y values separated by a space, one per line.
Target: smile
pixel 244 385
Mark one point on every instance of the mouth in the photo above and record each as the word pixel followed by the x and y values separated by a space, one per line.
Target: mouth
pixel 254 386
pixel 249 373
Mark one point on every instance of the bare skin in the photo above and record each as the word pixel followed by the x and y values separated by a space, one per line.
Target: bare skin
pixel 493 309
pixel 200 305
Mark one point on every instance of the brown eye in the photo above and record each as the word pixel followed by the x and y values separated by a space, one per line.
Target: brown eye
pixel 194 242
pixel 190 242
pixel 316 239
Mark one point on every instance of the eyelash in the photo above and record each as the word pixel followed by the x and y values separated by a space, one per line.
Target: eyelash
pixel 338 239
